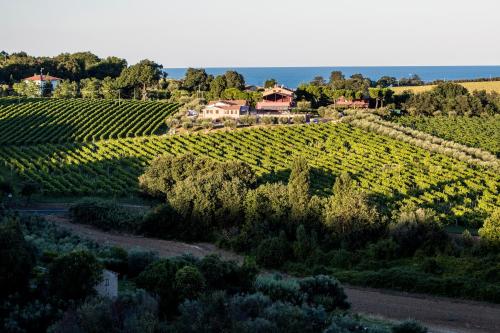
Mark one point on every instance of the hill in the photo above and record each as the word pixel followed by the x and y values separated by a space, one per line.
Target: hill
pixel 34 121
pixel 489 86
pixel 480 132
pixel 390 170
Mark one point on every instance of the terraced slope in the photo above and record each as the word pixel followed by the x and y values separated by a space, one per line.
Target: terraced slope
pixel 79 120
pixel 480 132
pixel 391 171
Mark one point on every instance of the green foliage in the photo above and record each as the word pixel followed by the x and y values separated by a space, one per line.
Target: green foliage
pixel 73 275
pixel 66 89
pixel 273 252
pixel 479 132
pixel 105 214
pixel 130 312
pixel 452 99
pixel 348 215
pixel 490 232
pixel 409 326
pixel 299 189
pixel 189 282
pixel 141 75
pixel 16 259
pixel 80 120
pixel 196 79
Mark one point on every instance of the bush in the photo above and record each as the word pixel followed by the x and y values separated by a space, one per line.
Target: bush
pixel 227 275
pixel 284 290
pixel 272 252
pixel 189 282
pixel 324 290
pixel 74 275
pixel 490 232
pixel 283 120
pixel 138 260
pixel 105 214
pixel 16 259
pixel 409 326
pixel 267 120
pixel 299 120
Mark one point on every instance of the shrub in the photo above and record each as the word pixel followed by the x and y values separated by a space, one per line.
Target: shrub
pixel 159 279
pixel 272 252
pixel 324 290
pixel 490 232
pixel 189 282
pixel 299 119
pixel 16 259
pixel 138 260
pixel 267 120
pixel 283 120
pixel 409 326
pixel 105 214
pixel 284 290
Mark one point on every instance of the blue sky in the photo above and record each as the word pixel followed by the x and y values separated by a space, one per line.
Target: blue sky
pixel 232 33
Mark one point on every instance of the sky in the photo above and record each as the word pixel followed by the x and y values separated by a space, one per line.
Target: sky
pixel 259 33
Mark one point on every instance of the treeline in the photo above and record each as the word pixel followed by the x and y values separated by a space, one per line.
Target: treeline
pixel 74 67
pixel 48 278
pixel 285 227
pixel 450 99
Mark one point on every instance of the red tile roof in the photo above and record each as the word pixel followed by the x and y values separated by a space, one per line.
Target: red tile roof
pixel 43 78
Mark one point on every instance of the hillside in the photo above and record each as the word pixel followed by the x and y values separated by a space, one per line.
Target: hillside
pixel 479 132
pixel 390 170
pixel 489 86
pixel 79 120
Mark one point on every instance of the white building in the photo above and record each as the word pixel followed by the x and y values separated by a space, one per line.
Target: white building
pixel 225 109
pixel 108 287
pixel 43 79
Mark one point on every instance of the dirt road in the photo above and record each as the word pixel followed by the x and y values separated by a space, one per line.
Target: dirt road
pixel 440 314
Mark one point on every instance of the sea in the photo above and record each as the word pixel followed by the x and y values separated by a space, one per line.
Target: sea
pixel 292 77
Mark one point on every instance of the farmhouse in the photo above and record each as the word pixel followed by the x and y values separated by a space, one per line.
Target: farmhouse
pixel 277 98
pixel 226 108
pixel 43 79
pixel 352 103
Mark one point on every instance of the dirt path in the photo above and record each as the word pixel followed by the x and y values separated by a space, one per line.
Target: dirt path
pixel 440 314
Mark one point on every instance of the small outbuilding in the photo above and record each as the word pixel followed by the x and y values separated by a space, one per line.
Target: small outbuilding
pixel 108 287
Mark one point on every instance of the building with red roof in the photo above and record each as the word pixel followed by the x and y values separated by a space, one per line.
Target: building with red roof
pixel 226 108
pixel 43 79
pixel 277 98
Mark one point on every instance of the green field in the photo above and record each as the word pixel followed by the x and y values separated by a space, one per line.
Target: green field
pixel 479 132
pixel 391 171
pixel 78 120
pixel 489 86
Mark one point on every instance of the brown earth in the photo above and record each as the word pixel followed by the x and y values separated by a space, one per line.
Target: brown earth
pixel 440 314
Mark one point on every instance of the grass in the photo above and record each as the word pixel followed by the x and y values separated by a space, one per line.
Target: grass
pixel 489 86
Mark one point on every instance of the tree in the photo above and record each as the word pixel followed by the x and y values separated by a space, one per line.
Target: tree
pixel 66 89
pixel 347 213
pixel 109 88
pixel 90 88
pixel 318 81
pixel 299 188
pixel 490 230
pixel 375 93
pixel 196 79
pixel 270 83
pixel 74 275
pixel 386 81
pixel 189 282
pixel 16 259
pixel 217 86
pixel 336 77
pixel 28 89
pixel 141 75
pixel 235 80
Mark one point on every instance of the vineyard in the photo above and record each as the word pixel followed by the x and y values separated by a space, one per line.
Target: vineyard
pixel 79 120
pixel 390 170
pixel 480 132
